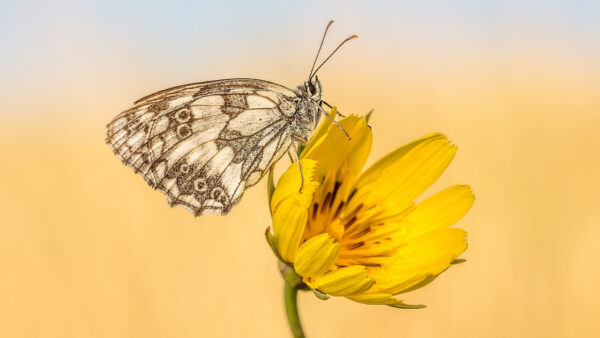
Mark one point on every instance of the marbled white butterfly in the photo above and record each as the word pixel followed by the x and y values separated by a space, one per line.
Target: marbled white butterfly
pixel 202 144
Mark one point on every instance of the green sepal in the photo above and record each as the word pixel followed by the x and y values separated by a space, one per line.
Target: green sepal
pixel 368 116
pixel 271 241
pixel 290 276
pixel 320 295
pixel 270 187
pixel 458 261
pixel 407 306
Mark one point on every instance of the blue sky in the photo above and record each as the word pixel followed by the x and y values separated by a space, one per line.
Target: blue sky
pixel 66 43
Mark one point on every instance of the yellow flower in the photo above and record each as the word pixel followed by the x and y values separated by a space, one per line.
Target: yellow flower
pixel 361 235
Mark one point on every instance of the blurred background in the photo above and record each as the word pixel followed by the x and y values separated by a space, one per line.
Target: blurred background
pixel 87 249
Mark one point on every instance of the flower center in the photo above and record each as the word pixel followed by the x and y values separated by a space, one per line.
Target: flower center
pixel 358 231
pixel 326 213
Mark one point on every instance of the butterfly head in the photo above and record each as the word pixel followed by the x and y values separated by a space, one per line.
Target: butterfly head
pixel 312 89
pixel 309 108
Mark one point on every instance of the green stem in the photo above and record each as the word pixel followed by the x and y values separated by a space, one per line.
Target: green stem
pixel 290 294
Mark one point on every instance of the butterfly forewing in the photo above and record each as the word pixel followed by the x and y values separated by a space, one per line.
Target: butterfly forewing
pixel 202 144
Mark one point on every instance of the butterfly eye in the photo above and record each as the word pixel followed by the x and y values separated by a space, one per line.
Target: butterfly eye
pixel 311 89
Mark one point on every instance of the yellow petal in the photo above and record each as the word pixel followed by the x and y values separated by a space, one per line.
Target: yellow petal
pixel 289 221
pixel 396 179
pixel 373 298
pixel 418 283
pixel 321 130
pixel 289 184
pixel 333 150
pixel 316 255
pixel 290 208
pixel 438 211
pixel 420 259
pixel 343 281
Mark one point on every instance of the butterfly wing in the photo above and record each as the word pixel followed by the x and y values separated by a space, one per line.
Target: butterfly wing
pixel 202 144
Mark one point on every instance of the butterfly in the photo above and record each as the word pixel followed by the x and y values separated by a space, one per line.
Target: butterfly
pixel 202 144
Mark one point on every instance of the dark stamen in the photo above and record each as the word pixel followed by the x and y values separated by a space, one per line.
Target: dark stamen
pixel 326 201
pixel 338 210
pixel 315 210
pixel 355 245
pixel 350 222
pixel 355 211
pixel 351 195
pixel 362 232
pixel 336 187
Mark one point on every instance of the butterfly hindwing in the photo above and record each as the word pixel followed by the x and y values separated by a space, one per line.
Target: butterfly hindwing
pixel 202 144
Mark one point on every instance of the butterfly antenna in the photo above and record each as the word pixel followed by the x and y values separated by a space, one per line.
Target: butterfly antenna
pixel 320 46
pixel 330 55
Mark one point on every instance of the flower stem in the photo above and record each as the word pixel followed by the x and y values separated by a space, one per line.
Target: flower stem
pixel 290 294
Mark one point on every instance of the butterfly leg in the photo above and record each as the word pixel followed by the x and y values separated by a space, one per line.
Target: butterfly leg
pixel 300 138
pixel 335 122
pixel 299 166
pixel 330 106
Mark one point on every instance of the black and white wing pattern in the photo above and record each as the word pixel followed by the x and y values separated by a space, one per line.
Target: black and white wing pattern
pixel 202 144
